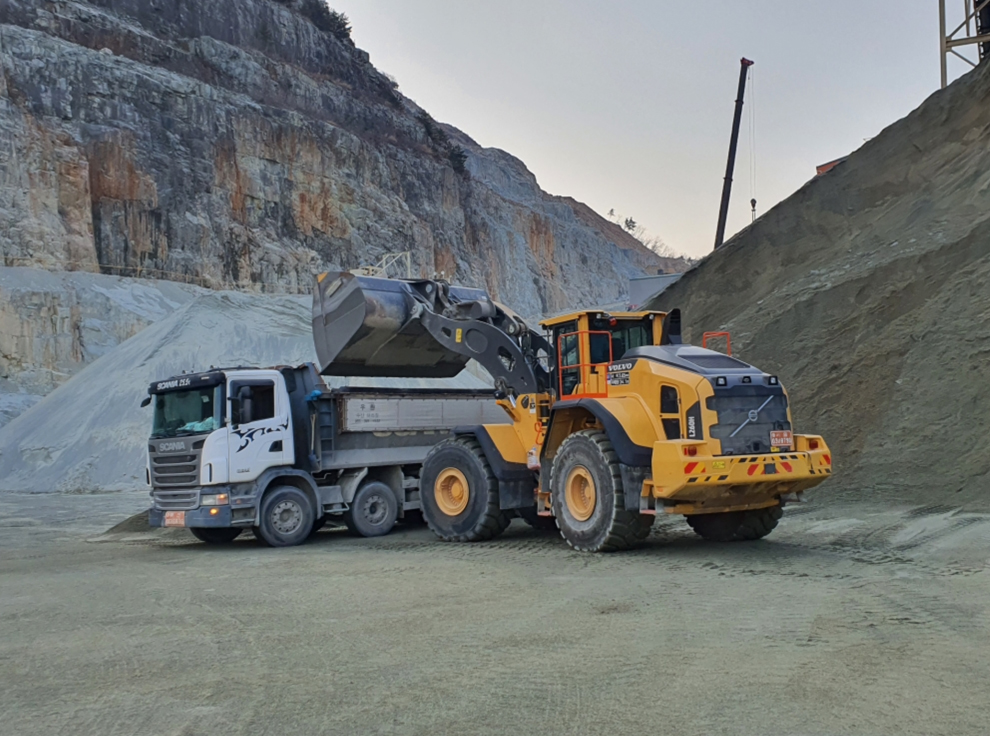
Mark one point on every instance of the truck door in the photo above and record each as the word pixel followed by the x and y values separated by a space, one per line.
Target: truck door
pixel 259 428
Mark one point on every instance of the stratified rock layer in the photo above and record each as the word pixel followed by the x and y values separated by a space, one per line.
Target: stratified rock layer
pixel 232 143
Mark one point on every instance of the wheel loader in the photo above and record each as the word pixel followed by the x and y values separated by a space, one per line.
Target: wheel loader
pixel 614 419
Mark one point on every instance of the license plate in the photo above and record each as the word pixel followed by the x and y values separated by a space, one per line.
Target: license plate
pixel 175 518
pixel 781 438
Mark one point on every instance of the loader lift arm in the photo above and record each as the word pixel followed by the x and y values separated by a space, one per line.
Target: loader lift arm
pixel 364 325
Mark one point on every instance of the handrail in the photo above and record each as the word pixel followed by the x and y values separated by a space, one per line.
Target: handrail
pixel 726 335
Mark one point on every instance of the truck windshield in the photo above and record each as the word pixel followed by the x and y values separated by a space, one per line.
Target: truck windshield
pixel 186 412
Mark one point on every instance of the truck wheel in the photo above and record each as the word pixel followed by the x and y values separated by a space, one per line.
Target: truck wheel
pixel 215 535
pixel 373 511
pixel 287 517
pixel 539 523
pixel 459 493
pixel 736 526
pixel 587 496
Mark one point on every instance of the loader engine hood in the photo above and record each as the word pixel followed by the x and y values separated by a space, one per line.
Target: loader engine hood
pixel 369 326
pixel 751 405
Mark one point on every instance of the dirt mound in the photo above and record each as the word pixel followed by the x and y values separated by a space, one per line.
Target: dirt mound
pixel 866 291
pixel 90 434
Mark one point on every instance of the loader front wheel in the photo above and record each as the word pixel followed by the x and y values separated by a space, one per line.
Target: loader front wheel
pixel 459 493
pixel 736 526
pixel 587 496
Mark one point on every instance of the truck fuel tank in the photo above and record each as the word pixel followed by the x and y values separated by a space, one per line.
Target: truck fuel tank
pixel 369 326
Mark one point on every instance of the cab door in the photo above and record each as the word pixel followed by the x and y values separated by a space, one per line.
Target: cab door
pixel 259 436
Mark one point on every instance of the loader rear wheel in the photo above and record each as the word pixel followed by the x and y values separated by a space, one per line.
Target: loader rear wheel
pixel 736 526
pixel 588 499
pixel 215 535
pixel 459 493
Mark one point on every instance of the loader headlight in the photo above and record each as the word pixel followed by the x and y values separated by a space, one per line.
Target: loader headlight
pixel 219 499
pixel 721 381
pixel 773 381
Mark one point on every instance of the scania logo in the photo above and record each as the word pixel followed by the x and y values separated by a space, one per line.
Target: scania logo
pixel 171 446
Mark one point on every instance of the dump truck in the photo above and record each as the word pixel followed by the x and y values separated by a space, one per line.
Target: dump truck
pixel 613 418
pixel 278 451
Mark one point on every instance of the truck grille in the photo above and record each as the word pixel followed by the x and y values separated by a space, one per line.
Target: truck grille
pixel 176 500
pixel 175 467
pixel 174 471
pixel 738 432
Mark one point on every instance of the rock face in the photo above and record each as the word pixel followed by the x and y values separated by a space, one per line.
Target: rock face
pixel 866 291
pixel 54 324
pixel 234 144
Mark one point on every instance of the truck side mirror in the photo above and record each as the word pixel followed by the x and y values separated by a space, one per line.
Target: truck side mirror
pixel 146 401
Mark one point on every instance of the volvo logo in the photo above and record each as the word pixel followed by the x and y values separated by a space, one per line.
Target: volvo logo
pixel 753 415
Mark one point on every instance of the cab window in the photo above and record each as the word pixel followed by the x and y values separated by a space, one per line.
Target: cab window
pixel 626 334
pixel 568 349
pixel 254 402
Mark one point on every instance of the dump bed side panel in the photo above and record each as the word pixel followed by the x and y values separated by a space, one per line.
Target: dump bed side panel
pixel 416 413
pixel 365 427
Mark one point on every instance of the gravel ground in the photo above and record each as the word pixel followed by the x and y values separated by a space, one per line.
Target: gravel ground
pixel 847 620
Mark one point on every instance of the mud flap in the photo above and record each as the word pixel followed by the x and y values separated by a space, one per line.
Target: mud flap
pixel 632 484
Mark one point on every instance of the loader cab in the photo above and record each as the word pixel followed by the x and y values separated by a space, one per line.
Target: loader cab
pixel 586 343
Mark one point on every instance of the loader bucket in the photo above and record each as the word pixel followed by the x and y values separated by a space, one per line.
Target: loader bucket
pixel 368 326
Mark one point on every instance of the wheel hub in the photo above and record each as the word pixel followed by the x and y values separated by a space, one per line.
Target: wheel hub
pixel 451 491
pixel 374 509
pixel 286 517
pixel 580 494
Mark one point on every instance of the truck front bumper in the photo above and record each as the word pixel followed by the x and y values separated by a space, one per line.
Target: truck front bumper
pixel 201 517
pixel 702 483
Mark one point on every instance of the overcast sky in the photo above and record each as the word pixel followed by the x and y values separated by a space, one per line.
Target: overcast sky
pixel 627 104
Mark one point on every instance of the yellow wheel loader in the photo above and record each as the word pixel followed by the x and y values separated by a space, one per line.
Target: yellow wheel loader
pixel 613 418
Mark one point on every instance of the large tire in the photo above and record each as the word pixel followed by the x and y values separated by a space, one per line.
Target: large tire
pixel 588 499
pixel 459 493
pixel 287 517
pixel 373 511
pixel 539 523
pixel 215 535
pixel 736 526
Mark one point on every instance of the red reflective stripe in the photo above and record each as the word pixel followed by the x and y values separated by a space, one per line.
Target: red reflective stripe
pixel 828 459
pixel 689 467
pixel 787 466
pixel 752 469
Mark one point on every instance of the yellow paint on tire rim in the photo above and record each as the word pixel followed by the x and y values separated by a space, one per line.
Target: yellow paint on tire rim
pixel 579 492
pixel 451 491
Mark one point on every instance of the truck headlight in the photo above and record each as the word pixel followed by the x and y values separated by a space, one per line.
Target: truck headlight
pixel 219 499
